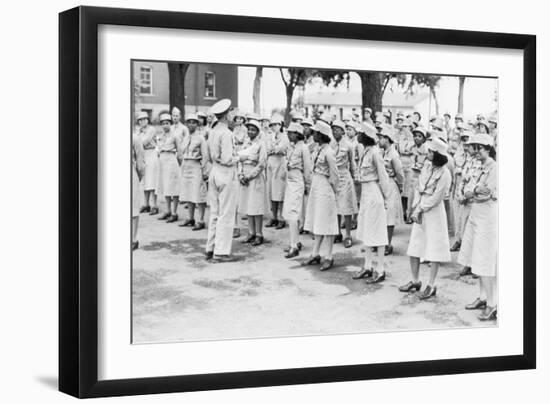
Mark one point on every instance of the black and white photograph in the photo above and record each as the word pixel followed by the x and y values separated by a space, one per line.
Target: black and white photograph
pixel 275 201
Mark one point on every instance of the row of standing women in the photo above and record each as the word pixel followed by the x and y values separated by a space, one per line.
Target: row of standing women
pixel 312 176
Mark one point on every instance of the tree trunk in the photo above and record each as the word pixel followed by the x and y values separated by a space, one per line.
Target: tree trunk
pixel 176 76
pixel 257 89
pixel 371 91
pixel 461 81
pixel 434 95
pixel 289 94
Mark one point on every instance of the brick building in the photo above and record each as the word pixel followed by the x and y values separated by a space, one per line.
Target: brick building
pixel 204 85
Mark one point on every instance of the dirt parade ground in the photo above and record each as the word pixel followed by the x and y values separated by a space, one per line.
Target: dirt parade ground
pixel 179 296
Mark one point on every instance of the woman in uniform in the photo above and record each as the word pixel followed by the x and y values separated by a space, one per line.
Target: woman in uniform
pixel 346 200
pixel 252 197
pixel 170 152
pixel 372 224
pixel 405 144
pixel 203 128
pixel 240 138
pixel 138 169
pixel 240 132
pixel 312 147
pixel 277 145
pixel 462 158
pixel 148 137
pixel 195 167
pixel 392 163
pixel 479 243
pixel 470 171
pixel 352 131
pixel 321 214
pixel 298 183
pixel 429 237
pixel 419 153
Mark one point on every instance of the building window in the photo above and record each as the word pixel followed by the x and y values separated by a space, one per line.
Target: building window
pixel 146 80
pixel 209 85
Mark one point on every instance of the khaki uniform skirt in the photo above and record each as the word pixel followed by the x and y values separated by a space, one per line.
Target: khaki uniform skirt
pixel 276 177
pixel 462 214
pixel 412 186
pixel 371 221
pixel 430 240
pixel 479 247
pixel 321 213
pixel 346 199
pixel 169 175
pixel 408 187
pixel 293 205
pixel 253 197
pixel 151 176
pixel 193 187
pixel 394 211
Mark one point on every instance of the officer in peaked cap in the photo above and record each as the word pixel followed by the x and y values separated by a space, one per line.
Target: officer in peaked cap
pixel 222 184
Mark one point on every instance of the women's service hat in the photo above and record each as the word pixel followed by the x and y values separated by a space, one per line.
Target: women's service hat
pixel 295 127
pixel 439 145
pixel 388 132
pixel 192 117
pixel 483 139
pixel 339 124
pixel 142 115
pixel 323 128
pixel 165 117
pixel 254 123
pixel 438 123
pixel 307 121
pixel 353 125
pixel 484 123
pixel 221 106
pixel 370 131
pixel 421 130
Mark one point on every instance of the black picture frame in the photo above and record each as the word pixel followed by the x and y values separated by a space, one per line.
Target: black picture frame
pixel 78 201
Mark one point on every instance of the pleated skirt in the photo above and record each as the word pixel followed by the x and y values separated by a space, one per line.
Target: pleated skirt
pixel 294 195
pixel 430 239
pixel 479 249
pixel 321 213
pixel 193 187
pixel 371 221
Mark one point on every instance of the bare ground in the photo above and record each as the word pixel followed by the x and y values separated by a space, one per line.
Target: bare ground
pixel 178 296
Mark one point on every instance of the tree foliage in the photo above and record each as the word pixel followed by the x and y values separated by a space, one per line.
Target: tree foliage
pixel 292 77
